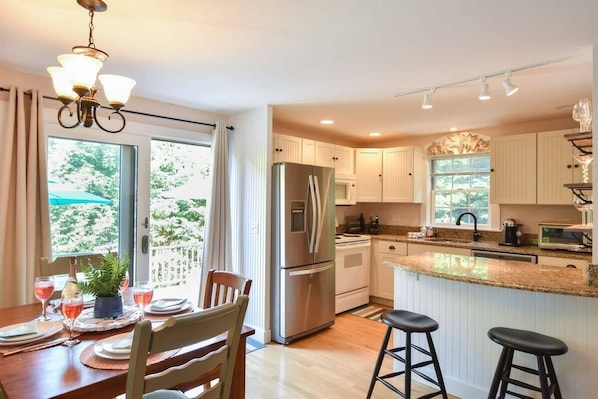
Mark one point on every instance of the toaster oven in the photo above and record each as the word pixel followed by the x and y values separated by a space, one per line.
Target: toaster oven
pixel 568 236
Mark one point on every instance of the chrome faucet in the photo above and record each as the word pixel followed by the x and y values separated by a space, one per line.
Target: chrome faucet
pixel 476 233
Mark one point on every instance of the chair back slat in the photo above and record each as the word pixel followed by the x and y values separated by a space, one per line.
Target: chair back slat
pixel 224 287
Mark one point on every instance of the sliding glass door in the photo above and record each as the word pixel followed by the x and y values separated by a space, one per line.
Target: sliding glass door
pixel 132 194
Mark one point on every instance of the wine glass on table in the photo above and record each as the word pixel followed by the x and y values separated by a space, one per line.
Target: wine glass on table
pixel 143 292
pixel 71 307
pixel 43 289
pixel 125 283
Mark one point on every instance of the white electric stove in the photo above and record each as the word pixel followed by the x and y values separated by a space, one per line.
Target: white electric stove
pixel 352 271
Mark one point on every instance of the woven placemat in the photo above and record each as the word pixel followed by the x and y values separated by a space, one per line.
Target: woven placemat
pixel 90 359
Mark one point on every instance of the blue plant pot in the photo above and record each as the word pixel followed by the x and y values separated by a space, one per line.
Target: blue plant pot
pixel 108 307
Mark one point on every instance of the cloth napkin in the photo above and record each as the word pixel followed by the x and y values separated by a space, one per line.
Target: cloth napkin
pixel 124 343
pixel 164 304
pixel 22 329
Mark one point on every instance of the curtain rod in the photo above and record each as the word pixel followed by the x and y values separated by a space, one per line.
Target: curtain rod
pixel 170 118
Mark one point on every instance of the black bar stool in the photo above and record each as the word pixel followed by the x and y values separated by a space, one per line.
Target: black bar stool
pixel 409 323
pixel 542 346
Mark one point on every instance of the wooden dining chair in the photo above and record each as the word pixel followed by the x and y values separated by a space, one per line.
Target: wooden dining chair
pixel 223 287
pixel 178 332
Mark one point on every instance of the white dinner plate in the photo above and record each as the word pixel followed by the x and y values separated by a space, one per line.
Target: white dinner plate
pixel 44 330
pixel 170 310
pixel 99 350
pixel 109 344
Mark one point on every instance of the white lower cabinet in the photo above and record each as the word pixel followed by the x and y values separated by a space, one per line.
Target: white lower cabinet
pixel 382 277
pixel 565 262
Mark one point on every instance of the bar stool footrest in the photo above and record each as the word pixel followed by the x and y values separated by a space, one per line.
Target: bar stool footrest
pixel 518 395
pixel 426 377
pixel 526 369
pixel 522 384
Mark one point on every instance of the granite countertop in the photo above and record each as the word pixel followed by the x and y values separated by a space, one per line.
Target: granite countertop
pixel 498 273
pixel 485 245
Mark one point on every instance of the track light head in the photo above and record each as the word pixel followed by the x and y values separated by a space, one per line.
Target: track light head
pixel 427 103
pixel 484 90
pixel 509 87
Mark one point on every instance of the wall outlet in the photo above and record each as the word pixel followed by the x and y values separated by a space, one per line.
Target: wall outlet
pixel 254 228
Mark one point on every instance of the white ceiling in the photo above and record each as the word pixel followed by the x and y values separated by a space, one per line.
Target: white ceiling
pixel 339 59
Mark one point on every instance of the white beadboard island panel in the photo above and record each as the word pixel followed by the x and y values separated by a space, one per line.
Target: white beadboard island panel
pixel 465 313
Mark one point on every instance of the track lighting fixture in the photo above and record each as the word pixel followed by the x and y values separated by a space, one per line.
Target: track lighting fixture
pixel 484 90
pixel 509 87
pixel 427 104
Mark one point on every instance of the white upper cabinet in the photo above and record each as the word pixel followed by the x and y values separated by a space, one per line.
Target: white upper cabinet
pixel 286 148
pixel 368 168
pixel 341 158
pixel 308 155
pixel 556 167
pixel 401 171
pixel 513 169
pixel 388 175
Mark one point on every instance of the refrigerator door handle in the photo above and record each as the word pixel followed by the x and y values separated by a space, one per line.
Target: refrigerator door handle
pixel 318 229
pixel 311 271
pixel 312 238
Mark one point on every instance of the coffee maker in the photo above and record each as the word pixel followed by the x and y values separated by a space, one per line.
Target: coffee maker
pixel 511 234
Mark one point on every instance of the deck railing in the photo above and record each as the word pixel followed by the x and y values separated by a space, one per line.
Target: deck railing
pixel 172 265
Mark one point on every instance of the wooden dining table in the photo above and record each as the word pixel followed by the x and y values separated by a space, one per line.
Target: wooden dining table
pixel 58 372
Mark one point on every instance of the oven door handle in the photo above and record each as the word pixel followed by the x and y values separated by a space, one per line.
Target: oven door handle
pixel 311 271
pixel 351 245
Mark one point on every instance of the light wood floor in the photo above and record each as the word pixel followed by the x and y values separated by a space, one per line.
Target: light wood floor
pixel 335 363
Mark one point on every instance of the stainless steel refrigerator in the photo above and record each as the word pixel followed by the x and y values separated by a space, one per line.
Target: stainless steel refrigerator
pixel 303 234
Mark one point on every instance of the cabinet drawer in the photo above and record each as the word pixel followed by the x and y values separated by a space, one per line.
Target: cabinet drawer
pixel 392 247
pixel 564 262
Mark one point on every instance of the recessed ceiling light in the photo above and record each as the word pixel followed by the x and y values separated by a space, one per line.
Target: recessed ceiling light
pixel 327 122
pixel 453 129
pixel 374 134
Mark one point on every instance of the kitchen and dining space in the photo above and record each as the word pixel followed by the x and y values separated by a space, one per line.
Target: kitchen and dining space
pixel 292 200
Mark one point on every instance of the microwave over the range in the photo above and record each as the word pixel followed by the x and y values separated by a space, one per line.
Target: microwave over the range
pixel 568 236
pixel 345 189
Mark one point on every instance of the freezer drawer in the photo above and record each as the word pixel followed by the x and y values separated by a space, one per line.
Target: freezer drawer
pixel 306 300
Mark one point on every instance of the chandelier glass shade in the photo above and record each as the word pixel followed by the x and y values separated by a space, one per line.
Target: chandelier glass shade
pixel 75 81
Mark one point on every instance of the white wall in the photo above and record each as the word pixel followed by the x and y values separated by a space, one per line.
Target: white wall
pixel 250 148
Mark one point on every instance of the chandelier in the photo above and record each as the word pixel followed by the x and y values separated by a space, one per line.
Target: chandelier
pixel 75 80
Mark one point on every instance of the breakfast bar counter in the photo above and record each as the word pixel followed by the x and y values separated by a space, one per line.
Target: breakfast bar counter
pixel 468 296
pixel 501 273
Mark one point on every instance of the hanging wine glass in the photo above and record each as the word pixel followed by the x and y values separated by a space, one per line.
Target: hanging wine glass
pixel 576 114
pixel 584 160
pixel 582 113
pixel 584 207
pixel 586 114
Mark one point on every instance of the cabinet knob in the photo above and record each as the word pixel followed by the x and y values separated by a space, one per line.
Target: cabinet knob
pixel 410 174
pixel 491 170
pixel 392 247
pixel 576 166
pixel 569 166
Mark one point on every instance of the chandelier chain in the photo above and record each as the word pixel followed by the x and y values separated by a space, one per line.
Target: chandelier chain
pixel 91 42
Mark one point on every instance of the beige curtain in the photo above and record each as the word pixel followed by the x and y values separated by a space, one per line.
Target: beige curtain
pixel 217 235
pixel 24 238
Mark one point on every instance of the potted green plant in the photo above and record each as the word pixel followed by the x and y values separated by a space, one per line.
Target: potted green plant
pixel 104 283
